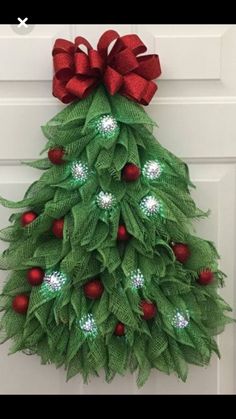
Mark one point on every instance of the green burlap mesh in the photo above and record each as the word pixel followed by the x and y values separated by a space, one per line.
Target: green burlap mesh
pixel 16 283
pixel 117 354
pixel 89 249
pixel 42 164
pixel 10 234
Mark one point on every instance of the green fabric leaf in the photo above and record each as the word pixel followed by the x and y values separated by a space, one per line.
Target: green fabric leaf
pixel 42 196
pixel 100 105
pixel 74 367
pixel 74 112
pixel 102 310
pixel 16 284
pixel 133 225
pixel 75 148
pixel 133 153
pixel 97 354
pixel 42 164
pixel 12 258
pixel 119 305
pixel 130 260
pixel 12 323
pixel 143 362
pixel 110 258
pixel 51 251
pixel 128 111
pixel 120 157
pixel 10 233
pixel 76 340
pixel 117 354
pixel 157 344
pixel 179 361
pixel 203 254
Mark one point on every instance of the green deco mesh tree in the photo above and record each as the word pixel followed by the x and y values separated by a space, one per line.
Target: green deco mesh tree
pixel 147 299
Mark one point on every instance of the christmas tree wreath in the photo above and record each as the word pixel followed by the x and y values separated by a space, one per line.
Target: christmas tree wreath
pixel 105 272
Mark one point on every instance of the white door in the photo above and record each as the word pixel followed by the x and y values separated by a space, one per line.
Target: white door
pixel 195 108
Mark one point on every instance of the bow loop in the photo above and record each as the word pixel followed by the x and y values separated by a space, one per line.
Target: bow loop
pixel 149 66
pixel 132 42
pixel 125 61
pixel 96 61
pixel 64 66
pixel 79 40
pixel 82 65
pixel 62 45
pixel 105 40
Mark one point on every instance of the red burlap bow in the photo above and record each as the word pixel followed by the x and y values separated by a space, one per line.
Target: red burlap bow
pixel 77 72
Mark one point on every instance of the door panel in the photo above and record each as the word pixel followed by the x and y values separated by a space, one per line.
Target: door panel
pixel 195 109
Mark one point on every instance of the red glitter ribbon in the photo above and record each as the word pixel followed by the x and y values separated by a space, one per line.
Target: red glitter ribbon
pixel 122 70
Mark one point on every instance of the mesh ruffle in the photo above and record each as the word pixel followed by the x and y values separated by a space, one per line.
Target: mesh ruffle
pixel 89 249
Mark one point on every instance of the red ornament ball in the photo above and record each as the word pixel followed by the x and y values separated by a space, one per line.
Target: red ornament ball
pixel 55 155
pixel 122 233
pixel 35 276
pixel 205 277
pixel 181 251
pixel 28 217
pixel 130 172
pixel 149 310
pixel 57 228
pixel 93 289
pixel 119 329
pixel 20 303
